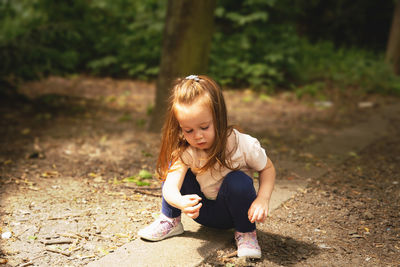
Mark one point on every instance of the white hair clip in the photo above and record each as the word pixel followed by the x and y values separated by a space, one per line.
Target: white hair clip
pixel 193 77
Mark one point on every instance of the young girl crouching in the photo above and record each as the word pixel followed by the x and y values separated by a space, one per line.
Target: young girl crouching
pixel 205 164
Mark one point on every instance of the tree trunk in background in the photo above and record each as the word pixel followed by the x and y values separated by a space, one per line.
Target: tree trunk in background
pixel 186 46
pixel 393 47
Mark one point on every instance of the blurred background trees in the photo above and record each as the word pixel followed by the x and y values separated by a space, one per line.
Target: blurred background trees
pixel 187 35
pixel 393 46
pixel 266 45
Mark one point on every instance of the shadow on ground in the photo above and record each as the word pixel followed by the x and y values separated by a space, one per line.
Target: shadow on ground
pixel 279 249
pixel 284 250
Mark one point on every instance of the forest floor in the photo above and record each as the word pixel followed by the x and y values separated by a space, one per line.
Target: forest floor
pixel 76 167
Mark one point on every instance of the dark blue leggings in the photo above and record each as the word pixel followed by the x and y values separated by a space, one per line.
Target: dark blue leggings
pixel 229 210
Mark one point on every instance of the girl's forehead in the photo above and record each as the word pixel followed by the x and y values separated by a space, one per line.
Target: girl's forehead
pixel 192 114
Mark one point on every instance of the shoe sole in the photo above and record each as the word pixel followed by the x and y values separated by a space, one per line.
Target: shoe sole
pixel 176 231
pixel 250 254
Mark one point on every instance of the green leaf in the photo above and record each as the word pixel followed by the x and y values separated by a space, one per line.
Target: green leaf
pixel 145 174
pixel 130 179
pixel 141 183
pixel 32 237
pixel 134 179
pixel 138 179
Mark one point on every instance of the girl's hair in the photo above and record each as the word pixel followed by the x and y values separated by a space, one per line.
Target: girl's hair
pixel 187 91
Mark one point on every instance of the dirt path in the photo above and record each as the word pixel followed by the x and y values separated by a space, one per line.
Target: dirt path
pixel 348 217
pixel 75 165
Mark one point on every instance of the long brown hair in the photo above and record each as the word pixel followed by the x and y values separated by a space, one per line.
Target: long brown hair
pixel 187 91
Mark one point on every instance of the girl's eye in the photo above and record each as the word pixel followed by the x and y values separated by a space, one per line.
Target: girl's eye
pixel 204 128
pixel 188 131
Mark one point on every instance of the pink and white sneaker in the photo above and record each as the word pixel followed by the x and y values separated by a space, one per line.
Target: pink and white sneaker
pixel 247 244
pixel 162 228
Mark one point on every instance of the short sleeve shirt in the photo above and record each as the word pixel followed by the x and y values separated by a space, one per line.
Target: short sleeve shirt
pixel 246 154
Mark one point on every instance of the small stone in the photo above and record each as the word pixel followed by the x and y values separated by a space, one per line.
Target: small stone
pixel 323 104
pixel 6 235
pixel 368 215
pixel 365 104
pixel 324 246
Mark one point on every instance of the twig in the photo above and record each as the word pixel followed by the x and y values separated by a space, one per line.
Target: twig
pixel 75 236
pixel 83 236
pixel 86 257
pixel 72 215
pixel 144 190
pixel 57 242
pixel 148 193
pixel 230 255
pixel 76 249
pixel 59 251
pixel 30 262
pixel 25 264
pixel 142 187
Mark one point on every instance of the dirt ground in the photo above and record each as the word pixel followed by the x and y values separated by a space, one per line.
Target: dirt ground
pixel 348 217
pixel 76 165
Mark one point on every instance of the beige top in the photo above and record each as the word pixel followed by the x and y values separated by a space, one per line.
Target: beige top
pixel 248 157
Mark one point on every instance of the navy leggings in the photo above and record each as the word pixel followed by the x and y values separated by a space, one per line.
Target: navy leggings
pixel 229 210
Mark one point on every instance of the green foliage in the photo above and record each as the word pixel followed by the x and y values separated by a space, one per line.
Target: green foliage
pixel 118 38
pixel 247 49
pixel 261 44
pixel 313 89
pixel 258 59
pixel 140 178
pixel 36 42
pixel 131 44
pixel 344 68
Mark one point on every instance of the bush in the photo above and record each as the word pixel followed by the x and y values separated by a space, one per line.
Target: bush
pixel 345 68
pixel 256 44
pixel 247 50
pixel 118 38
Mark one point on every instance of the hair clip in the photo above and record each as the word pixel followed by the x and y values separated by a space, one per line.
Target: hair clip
pixel 193 77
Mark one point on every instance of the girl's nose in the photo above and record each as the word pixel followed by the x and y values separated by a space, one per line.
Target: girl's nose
pixel 198 135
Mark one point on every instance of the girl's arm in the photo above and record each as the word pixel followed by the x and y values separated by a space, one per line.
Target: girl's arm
pixel 259 208
pixel 188 204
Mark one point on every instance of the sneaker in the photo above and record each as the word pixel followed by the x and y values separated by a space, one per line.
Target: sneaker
pixel 162 228
pixel 247 244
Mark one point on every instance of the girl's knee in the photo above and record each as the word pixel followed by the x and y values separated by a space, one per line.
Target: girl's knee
pixel 238 183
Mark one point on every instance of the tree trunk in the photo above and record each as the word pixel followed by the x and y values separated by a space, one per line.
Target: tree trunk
pixel 186 46
pixel 393 47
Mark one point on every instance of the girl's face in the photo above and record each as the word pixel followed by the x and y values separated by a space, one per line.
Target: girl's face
pixel 196 122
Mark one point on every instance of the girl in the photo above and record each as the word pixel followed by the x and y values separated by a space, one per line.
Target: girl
pixel 204 164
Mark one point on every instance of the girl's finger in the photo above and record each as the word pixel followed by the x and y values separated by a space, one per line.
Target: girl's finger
pixel 192 209
pixel 194 197
pixel 250 213
pixel 256 216
pixel 260 217
pixel 253 217
pixel 193 215
pixel 263 216
pixel 197 207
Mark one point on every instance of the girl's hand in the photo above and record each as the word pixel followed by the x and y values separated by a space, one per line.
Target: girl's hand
pixel 190 205
pixel 258 210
